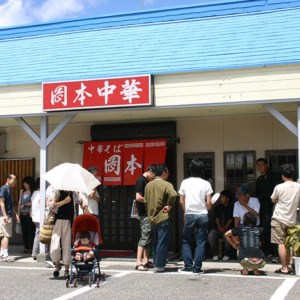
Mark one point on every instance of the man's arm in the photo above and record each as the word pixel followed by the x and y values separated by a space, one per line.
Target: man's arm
pixel 182 202
pixel 139 198
pixel 236 221
pixel 93 195
pixel 2 206
pixel 208 202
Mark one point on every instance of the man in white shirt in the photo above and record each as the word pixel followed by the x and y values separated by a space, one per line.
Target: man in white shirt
pixel 244 205
pixel 195 200
pixel 286 197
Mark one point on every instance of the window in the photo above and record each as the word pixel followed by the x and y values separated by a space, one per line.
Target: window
pixel 239 169
pixel 277 158
pixel 208 159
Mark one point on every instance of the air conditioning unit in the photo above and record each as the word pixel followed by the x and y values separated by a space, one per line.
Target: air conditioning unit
pixel 3 143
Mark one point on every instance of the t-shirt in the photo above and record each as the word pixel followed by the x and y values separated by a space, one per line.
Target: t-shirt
pixel 265 185
pixel 249 241
pixel 195 190
pixel 288 198
pixel 159 193
pixel 5 193
pixel 35 206
pixel 224 213
pixel 140 188
pixel 92 205
pixel 239 210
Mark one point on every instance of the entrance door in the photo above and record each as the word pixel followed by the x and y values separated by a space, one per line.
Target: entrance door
pixel 118 229
pixel 20 167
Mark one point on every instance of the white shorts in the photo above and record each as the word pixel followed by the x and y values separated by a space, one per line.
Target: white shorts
pixel 5 228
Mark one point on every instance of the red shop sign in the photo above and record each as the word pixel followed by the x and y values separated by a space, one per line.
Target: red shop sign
pixel 97 93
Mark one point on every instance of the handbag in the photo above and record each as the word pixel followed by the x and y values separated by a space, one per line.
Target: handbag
pixel 46 229
pixel 18 228
pixel 134 210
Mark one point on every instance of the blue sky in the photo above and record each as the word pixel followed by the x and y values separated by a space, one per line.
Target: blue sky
pixel 18 12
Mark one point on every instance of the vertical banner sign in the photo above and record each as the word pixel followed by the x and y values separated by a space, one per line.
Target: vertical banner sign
pixel 155 152
pixel 133 162
pixel 93 157
pixel 122 162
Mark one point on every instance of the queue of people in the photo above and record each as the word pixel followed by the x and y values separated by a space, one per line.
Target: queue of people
pixel 255 226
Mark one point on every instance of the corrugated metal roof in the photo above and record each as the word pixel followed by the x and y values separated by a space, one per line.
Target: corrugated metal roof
pixel 158 47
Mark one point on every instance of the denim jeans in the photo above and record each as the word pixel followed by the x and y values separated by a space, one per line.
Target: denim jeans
pixel 195 225
pixel 161 233
pixel 213 237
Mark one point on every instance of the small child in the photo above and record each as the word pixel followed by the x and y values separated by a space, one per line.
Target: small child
pixel 250 255
pixel 84 242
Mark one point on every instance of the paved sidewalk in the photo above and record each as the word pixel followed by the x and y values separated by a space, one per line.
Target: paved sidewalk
pixel 231 266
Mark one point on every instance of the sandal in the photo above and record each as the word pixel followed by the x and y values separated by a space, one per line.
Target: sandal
pixel 141 267
pixel 66 275
pixel 279 271
pixel 149 265
pixel 258 272
pixel 244 272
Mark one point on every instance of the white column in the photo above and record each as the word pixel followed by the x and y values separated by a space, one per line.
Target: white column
pixel 43 169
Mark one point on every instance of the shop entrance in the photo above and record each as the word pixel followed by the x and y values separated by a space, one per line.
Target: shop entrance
pixel 119 231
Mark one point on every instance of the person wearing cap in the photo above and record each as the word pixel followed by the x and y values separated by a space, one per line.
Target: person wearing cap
pixel 245 204
pixel 224 222
pixel 195 200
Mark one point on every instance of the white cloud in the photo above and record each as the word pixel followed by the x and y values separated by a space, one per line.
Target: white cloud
pixel 16 12
pixel 12 12
pixel 55 9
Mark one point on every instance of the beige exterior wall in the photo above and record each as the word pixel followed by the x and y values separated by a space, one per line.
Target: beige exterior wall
pixel 216 135
pixel 206 88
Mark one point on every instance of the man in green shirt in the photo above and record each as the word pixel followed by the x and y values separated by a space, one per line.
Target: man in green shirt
pixel 160 196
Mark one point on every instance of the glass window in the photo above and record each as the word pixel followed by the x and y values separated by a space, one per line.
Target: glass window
pixel 208 159
pixel 239 169
pixel 276 158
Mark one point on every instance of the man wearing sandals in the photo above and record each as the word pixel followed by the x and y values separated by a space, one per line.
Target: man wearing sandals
pixel 142 259
pixel 286 197
pixel 6 213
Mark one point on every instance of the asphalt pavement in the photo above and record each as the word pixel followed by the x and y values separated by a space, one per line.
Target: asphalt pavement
pixel 28 279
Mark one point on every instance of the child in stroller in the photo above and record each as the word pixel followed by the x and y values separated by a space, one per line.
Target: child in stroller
pixel 84 247
pixel 85 253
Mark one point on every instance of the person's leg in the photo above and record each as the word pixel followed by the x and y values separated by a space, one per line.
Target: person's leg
pixel 6 232
pixel 142 251
pixel 163 232
pixel 55 251
pixel 201 236
pixel 24 225
pixel 284 257
pixel 213 242
pixel 188 234
pixel 31 235
pixel 227 246
pixel 36 242
pixel 66 244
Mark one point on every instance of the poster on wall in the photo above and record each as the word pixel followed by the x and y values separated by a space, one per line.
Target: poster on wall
pixel 122 162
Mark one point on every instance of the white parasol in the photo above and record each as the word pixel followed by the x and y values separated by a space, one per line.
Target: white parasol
pixel 71 177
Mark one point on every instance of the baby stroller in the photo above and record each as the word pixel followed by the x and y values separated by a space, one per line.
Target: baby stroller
pixel 89 268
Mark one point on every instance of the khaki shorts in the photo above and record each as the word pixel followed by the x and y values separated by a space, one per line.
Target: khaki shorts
pixel 278 232
pixel 5 228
